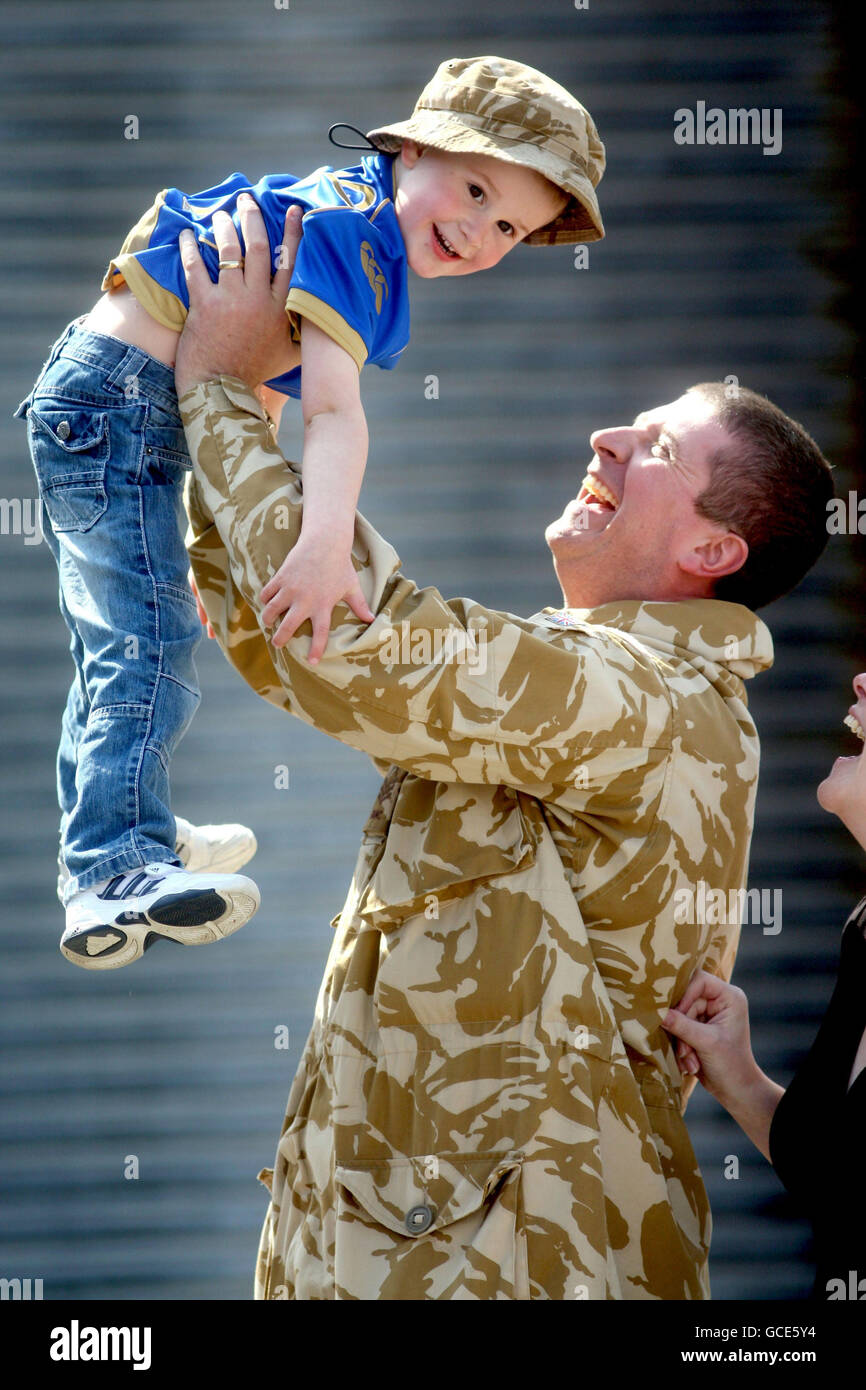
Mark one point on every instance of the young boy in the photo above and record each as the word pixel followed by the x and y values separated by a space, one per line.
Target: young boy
pixel 493 154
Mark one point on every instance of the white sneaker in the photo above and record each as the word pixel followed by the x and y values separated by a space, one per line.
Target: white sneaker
pixel 222 848
pixel 115 922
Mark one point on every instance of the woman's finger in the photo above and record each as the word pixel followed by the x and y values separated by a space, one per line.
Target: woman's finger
pixel 691 1032
pixel 698 987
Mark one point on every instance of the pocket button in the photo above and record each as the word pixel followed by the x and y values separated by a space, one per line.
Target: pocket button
pixel 419 1219
pixel 63 430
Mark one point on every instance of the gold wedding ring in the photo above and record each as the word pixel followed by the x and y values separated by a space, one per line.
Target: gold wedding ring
pixel 231 265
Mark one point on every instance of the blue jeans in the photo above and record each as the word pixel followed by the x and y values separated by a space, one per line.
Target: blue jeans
pixel 110 455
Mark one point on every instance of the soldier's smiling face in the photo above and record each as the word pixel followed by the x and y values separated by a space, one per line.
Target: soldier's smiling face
pixel 633 530
pixel 460 213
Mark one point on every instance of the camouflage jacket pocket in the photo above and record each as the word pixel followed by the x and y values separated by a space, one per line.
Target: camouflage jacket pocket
pixel 441 841
pixel 430 1227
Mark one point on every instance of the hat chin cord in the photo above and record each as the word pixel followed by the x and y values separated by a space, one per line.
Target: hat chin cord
pixel 344 125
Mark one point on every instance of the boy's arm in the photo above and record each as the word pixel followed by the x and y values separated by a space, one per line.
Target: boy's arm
pixel 318 571
pixel 450 690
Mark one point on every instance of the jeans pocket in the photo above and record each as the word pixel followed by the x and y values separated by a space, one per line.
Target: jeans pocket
pixel 70 447
pixel 166 457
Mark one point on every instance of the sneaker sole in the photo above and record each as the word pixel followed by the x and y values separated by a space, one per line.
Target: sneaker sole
pixel 191 919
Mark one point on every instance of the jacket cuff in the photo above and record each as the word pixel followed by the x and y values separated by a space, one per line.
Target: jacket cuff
pixel 223 394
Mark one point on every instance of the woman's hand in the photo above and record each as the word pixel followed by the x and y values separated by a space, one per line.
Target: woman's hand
pixel 711 1022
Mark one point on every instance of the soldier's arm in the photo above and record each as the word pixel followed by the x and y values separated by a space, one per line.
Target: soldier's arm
pixel 448 689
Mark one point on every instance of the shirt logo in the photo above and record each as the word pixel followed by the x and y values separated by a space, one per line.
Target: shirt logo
pixel 377 280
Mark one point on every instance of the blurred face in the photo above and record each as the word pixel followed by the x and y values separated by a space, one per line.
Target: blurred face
pixel 632 531
pixel 844 791
pixel 460 213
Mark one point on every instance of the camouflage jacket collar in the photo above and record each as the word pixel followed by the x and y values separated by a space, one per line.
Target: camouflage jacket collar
pixel 706 632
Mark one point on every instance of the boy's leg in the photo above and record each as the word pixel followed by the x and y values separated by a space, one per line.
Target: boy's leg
pixel 200 848
pixel 109 452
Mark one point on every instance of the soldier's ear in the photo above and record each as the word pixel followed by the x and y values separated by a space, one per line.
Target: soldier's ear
pixel 724 553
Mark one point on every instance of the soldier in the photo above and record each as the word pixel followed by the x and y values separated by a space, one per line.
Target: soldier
pixel 488 1105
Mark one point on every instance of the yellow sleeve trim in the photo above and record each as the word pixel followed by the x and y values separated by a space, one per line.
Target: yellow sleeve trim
pixel 160 303
pixel 307 306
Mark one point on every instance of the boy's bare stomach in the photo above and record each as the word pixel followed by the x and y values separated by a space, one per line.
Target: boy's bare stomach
pixel 119 314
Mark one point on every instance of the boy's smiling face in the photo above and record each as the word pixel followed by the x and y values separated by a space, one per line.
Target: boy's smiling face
pixel 460 213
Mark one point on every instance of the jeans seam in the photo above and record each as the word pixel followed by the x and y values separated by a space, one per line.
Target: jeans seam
pixel 175 680
pixel 135 707
pixel 180 592
pixel 156 752
pixel 149 730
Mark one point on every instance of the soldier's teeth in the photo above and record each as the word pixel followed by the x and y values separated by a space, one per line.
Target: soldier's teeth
pixel 600 490
pixel 853 724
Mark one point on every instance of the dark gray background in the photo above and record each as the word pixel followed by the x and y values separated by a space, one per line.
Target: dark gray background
pixel 705 272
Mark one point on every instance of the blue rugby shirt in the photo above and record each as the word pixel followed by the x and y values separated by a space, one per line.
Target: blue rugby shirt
pixel 350 273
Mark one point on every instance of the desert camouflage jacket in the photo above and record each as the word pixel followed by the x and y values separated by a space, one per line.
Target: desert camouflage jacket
pixel 487 1106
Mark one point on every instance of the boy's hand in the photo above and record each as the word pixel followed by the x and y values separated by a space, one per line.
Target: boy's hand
pixel 712 1023
pixel 238 326
pixel 316 574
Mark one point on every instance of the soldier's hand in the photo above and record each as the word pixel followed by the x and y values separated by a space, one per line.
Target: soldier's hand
pixel 238 326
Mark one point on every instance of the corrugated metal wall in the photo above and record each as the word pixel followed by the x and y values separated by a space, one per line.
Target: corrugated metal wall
pixel 704 274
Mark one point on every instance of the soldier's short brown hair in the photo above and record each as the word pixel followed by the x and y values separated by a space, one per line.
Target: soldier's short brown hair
pixel 771 486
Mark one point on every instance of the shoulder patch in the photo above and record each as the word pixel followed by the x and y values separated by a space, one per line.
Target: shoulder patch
pixel 370 267
pixel 560 618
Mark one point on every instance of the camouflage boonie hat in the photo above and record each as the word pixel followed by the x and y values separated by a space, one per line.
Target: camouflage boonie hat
pixel 497 107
